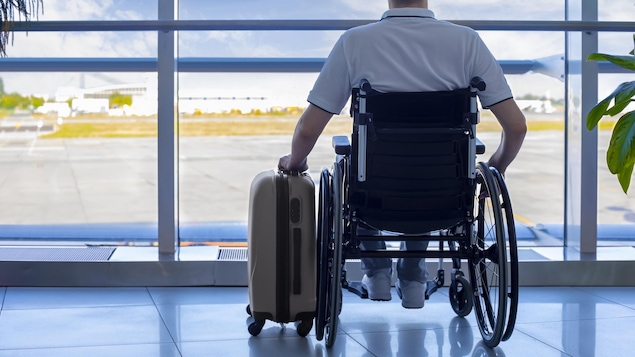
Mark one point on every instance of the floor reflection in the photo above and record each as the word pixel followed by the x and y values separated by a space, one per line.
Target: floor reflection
pixel 210 321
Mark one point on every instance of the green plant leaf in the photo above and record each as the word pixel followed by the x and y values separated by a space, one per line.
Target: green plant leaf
pixel 602 108
pixel 627 62
pixel 624 177
pixel 621 150
pixel 598 112
pixel 622 98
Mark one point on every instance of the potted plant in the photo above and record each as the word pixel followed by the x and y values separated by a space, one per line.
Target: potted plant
pixel 620 154
pixel 8 11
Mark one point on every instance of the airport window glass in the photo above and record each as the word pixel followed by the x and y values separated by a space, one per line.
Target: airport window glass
pixel 536 178
pixel 615 10
pixel 78 149
pixel 514 10
pixel 616 209
pixel 79 163
pixel 110 44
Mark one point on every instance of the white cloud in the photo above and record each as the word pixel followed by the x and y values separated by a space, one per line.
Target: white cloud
pixel 370 9
pixel 75 10
pixel 623 10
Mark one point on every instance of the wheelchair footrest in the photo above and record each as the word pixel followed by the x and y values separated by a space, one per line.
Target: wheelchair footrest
pixel 431 288
pixel 356 288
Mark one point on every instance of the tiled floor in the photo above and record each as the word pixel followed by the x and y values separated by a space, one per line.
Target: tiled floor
pixel 212 322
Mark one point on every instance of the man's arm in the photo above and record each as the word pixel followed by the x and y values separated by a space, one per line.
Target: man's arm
pixel 514 129
pixel 307 131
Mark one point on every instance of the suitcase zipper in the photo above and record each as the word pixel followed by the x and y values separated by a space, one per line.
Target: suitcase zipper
pixel 283 249
pixel 297 261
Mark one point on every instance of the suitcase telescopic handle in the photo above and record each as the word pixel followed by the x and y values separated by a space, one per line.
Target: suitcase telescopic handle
pixel 290 172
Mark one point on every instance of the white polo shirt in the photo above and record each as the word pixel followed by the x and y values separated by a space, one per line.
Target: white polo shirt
pixel 408 50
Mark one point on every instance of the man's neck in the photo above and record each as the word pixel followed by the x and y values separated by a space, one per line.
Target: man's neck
pixel 420 4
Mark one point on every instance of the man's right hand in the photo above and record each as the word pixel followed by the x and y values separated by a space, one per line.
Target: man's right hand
pixel 284 164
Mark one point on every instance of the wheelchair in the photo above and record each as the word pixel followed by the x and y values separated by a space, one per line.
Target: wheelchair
pixel 411 171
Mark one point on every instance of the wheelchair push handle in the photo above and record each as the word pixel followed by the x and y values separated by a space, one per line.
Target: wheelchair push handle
pixel 478 83
pixel 366 87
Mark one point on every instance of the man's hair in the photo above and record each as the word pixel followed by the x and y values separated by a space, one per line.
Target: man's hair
pixel 406 2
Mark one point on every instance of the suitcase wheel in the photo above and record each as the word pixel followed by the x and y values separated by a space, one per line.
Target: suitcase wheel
pixel 303 328
pixel 255 327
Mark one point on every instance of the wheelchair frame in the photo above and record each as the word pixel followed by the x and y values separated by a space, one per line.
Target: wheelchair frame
pixel 482 237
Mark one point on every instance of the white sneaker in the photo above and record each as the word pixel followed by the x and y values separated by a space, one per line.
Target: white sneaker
pixel 377 286
pixel 412 293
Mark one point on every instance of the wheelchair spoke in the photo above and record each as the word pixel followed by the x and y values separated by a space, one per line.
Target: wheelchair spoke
pixel 484 293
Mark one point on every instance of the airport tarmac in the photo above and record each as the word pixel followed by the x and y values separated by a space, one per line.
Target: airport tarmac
pixel 103 181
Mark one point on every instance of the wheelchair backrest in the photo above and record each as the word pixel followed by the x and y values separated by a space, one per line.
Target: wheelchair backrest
pixel 413 159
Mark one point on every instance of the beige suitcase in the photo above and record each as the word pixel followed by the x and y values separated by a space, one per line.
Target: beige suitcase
pixel 281 244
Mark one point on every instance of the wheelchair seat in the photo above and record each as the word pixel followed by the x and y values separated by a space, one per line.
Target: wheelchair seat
pixel 411 170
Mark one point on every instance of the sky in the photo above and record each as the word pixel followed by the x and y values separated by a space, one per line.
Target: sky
pixel 289 87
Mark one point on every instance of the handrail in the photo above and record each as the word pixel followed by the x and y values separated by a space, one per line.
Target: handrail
pixel 216 64
pixel 302 25
pixel 190 64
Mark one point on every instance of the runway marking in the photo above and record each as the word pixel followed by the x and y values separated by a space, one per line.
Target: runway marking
pixel 524 220
pixel 33 142
pixel 216 244
pixel 46 148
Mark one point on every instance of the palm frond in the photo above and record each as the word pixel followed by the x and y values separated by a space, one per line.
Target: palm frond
pixel 9 11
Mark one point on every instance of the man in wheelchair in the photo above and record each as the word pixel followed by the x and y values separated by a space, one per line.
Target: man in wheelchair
pixel 408 50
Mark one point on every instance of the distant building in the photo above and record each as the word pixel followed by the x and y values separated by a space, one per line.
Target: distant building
pixel 89 105
pixel 144 99
pixel 536 106
pixel 58 108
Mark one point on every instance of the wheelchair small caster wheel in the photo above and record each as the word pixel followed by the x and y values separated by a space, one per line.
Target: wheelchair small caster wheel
pixel 248 309
pixel 460 296
pixel 255 327
pixel 304 327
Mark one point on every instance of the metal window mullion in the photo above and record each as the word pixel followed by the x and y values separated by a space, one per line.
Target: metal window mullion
pixel 167 141
pixel 223 65
pixel 589 150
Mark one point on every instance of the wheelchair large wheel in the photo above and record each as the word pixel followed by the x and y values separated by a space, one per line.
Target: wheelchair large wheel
pixel 324 232
pixel 335 288
pixel 488 265
pixel 512 255
pixel 329 259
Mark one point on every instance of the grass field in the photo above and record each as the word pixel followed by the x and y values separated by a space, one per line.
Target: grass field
pixel 261 125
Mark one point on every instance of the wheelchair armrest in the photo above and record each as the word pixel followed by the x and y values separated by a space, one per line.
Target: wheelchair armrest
pixel 480 147
pixel 341 145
